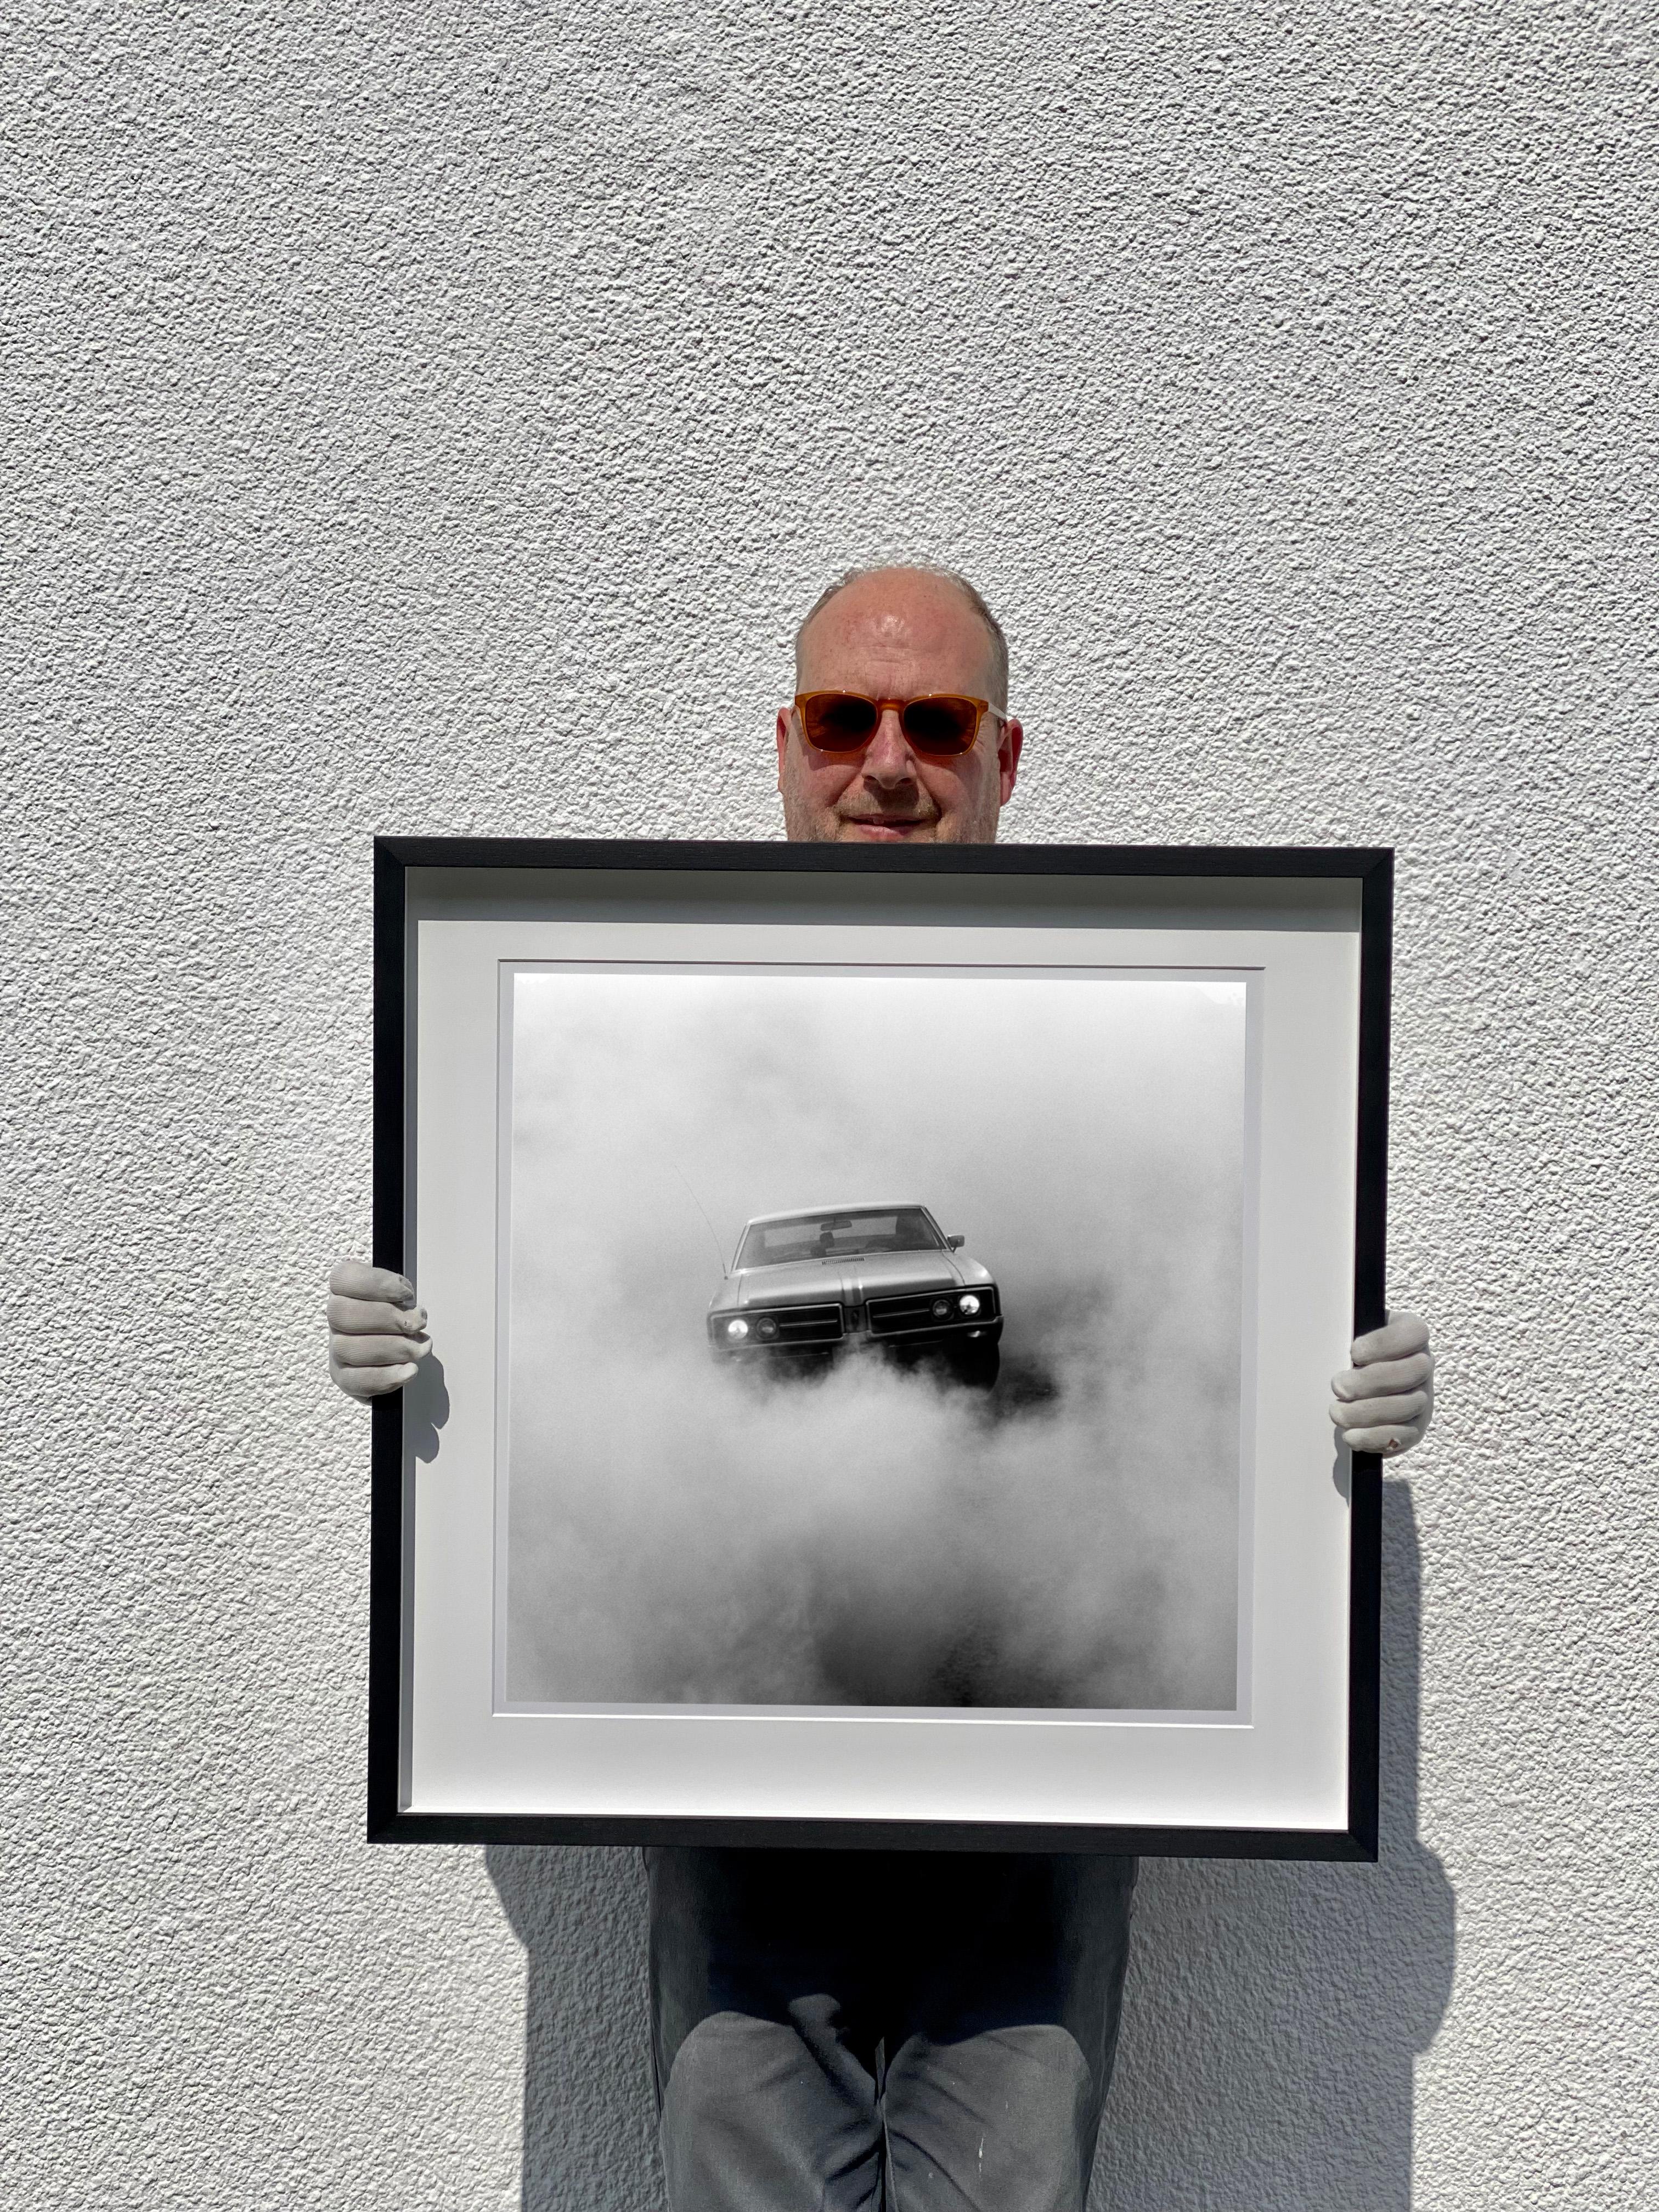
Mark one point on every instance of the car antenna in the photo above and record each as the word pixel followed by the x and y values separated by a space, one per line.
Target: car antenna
pixel 720 1249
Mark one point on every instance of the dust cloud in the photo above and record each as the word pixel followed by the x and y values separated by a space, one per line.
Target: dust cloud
pixel 677 1533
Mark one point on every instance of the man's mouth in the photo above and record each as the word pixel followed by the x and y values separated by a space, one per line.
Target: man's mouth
pixel 886 829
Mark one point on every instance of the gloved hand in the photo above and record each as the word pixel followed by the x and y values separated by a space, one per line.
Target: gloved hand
pixel 1385 1400
pixel 377 1334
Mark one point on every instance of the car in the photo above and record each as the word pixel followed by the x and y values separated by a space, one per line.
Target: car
pixel 810 1286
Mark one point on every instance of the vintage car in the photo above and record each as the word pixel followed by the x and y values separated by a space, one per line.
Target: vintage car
pixel 806 1287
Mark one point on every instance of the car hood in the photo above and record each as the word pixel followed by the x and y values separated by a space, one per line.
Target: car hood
pixel 846 1282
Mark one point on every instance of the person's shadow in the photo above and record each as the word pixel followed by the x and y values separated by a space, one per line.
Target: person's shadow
pixel 1272 2016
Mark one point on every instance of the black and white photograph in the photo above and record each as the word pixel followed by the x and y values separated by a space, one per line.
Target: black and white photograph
pixel 872 1337
pixel 883 1309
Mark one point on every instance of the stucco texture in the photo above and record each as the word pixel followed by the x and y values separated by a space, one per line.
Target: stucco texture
pixel 434 418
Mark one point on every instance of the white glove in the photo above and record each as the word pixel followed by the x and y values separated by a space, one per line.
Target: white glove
pixel 377 1334
pixel 1385 1400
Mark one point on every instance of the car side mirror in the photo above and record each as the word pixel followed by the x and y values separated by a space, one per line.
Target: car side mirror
pixel 956 1243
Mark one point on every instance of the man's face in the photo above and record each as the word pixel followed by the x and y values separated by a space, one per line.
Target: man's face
pixel 898 634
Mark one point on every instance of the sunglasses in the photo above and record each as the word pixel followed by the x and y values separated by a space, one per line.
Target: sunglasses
pixel 938 725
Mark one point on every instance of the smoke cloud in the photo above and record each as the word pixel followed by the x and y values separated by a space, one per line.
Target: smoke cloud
pixel 677 1532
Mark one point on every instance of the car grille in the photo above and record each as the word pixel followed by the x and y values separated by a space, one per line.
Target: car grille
pixel 897 1316
pixel 799 1324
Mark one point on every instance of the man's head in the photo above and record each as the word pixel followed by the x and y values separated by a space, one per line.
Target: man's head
pixel 896 635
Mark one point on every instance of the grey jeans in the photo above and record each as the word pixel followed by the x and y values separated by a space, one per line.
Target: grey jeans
pixel 883 2031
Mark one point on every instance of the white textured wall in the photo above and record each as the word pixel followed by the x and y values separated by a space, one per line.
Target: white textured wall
pixel 427 417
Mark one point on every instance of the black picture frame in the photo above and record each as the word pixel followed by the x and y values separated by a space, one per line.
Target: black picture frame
pixel 1369 868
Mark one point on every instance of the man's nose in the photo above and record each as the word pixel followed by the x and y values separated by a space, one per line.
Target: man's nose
pixel 888 758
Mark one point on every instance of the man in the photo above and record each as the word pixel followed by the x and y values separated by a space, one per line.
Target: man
pixel 891 2032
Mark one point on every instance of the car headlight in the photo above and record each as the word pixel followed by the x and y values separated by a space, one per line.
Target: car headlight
pixel 941 1308
pixel 738 1327
pixel 967 1303
pixel 766 1330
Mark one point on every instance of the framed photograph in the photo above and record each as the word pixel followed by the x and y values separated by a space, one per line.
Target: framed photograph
pixel 883 1303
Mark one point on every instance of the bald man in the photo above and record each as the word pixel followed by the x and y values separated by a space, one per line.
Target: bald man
pixel 894 635
pixel 886 2032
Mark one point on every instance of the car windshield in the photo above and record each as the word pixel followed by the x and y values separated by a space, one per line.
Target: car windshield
pixel 838 1237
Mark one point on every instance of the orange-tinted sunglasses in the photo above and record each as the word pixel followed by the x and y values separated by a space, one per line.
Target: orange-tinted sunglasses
pixel 939 724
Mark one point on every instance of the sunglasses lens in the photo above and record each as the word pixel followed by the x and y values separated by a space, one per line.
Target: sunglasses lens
pixel 941 725
pixel 839 721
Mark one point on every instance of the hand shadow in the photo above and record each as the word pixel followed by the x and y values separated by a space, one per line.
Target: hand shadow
pixel 426 1407
pixel 1274 2009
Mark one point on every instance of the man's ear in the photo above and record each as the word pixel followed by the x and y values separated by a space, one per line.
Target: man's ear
pixel 1008 746
pixel 784 713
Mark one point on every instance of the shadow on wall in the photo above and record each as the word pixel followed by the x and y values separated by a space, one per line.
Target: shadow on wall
pixel 1274 2010
pixel 589 2120
pixel 1272 2016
